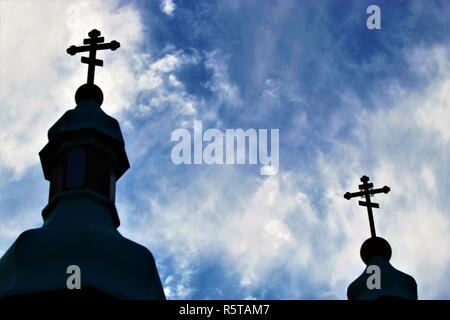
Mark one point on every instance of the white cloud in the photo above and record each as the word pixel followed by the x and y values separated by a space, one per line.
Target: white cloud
pixel 159 73
pixel 161 87
pixel 220 84
pixel 434 115
pixel 168 7
pixel 272 89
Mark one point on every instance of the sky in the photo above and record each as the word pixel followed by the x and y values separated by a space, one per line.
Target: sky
pixel 347 101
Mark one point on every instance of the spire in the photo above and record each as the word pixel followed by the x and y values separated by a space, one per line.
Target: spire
pixel 87 137
pixel 380 280
pixel 83 160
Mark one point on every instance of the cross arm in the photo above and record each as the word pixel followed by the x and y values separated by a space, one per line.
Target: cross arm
pixel 385 189
pixel 349 195
pixel 369 204
pixel 113 45
pixel 72 50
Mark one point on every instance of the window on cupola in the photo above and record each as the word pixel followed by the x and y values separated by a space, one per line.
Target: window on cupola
pixel 57 177
pixel 76 163
pixel 84 167
pixel 98 171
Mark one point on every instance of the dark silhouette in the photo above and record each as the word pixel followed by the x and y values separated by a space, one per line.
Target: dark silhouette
pixel 367 192
pixel 93 43
pixel 83 160
pixel 376 253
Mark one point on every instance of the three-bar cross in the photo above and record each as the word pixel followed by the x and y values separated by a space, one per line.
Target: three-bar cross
pixel 367 192
pixel 92 44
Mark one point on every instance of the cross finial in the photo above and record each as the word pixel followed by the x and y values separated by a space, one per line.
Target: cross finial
pixel 92 44
pixel 367 192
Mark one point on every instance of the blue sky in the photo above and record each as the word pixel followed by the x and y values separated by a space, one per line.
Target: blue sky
pixel 347 100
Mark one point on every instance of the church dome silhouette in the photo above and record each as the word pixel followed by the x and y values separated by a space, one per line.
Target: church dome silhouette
pixel 89 92
pixel 389 283
pixel 394 284
pixel 83 159
pixel 375 247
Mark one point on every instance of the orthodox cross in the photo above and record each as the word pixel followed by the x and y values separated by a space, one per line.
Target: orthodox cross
pixel 367 192
pixel 92 44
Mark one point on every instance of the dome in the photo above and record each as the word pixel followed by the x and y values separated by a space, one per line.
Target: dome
pixel 394 284
pixel 86 124
pixel 87 115
pixel 80 232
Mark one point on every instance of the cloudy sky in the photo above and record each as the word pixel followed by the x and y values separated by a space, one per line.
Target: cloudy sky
pixel 347 100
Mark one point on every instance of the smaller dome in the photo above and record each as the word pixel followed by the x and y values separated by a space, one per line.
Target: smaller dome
pixel 86 124
pixel 394 283
pixel 375 247
pixel 87 115
pixel 89 92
